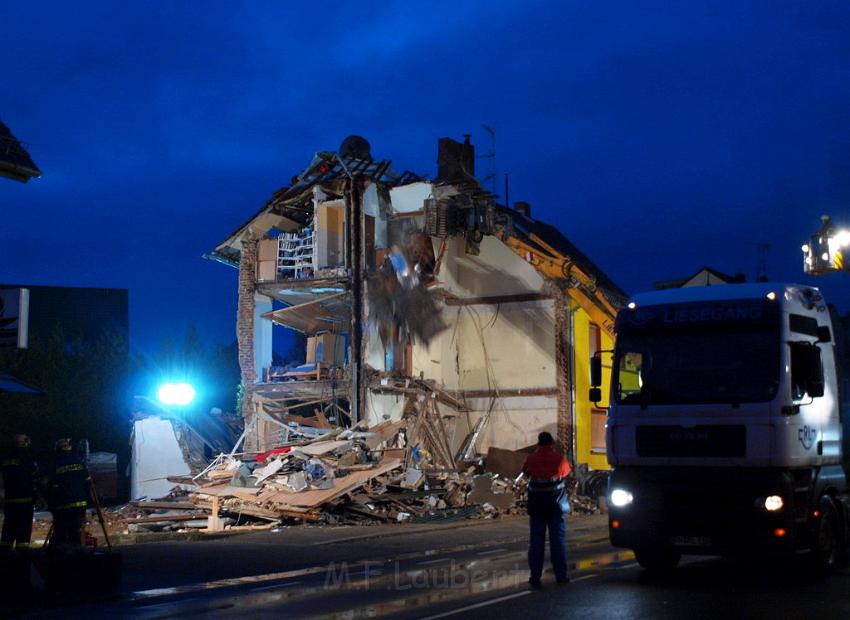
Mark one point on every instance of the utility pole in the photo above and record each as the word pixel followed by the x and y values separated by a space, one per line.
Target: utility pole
pixel 355 228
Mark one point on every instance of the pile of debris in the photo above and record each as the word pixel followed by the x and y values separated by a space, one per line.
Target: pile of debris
pixel 395 471
pixel 357 475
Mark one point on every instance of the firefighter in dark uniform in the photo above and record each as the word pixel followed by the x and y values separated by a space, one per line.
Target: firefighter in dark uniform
pixel 68 496
pixel 19 474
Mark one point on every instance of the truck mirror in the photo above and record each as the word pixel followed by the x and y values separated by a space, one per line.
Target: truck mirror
pixel 824 335
pixel 595 395
pixel 596 372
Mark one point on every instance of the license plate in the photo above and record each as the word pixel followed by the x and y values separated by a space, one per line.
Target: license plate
pixel 692 541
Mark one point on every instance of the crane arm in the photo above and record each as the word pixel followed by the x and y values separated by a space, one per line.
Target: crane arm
pixel 581 286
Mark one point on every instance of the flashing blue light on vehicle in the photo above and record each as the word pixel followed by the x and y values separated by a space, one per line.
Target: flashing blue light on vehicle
pixel 176 394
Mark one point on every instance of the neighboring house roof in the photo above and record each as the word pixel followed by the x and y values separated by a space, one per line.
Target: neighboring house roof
pixel 705 276
pixel 15 162
pixel 557 240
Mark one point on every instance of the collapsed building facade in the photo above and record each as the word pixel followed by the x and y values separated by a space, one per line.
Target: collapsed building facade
pixel 420 298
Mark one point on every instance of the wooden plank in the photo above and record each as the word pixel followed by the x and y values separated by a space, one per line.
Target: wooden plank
pixel 227 490
pixel 323 447
pixel 271 515
pixel 167 518
pixel 163 505
pixel 317 497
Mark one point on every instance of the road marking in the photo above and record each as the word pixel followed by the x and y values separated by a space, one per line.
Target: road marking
pixel 146 597
pixel 577 579
pixel 492 601
pixel 367 573
pixel 631 565
pixel 437 561
pixel 154 593
pixel 275 586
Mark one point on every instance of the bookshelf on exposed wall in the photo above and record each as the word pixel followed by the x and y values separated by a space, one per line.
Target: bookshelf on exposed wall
pixel 295 254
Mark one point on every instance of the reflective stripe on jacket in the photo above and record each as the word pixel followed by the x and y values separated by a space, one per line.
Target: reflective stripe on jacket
pixel 69 483
pixel 547 471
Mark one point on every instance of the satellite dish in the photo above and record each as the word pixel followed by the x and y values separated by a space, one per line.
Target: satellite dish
pixel 355 147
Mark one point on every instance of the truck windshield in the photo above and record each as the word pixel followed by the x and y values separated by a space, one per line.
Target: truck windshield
pixel 718 352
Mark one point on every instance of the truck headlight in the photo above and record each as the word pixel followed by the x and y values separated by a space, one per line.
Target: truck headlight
pixel 772 503
pixel 621 497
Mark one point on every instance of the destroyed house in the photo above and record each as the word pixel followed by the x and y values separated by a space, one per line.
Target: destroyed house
pixel 15 161
pixel 422 299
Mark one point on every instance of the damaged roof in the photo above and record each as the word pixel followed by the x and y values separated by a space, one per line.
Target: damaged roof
pixel 291 207
pixel 15 162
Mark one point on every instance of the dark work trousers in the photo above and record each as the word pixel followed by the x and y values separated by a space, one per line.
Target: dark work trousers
pixel 557 527
pixel 17 525
pixel 67 527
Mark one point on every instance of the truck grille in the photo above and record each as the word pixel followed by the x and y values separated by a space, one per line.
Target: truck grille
pixel 721 441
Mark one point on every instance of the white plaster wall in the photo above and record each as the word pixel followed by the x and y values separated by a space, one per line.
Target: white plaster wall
pixel 409 198
pixel 436 361
pixel 155 454
pixel 382 407
pixel 495 271
pixel 510 346
pixel 514 423
pixel 372 206
pixel 486 347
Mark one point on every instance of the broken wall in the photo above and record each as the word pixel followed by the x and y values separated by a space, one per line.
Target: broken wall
pixel 495 271
pixel 492 346
pixel 498 352
pixel 515 421
pixel 383 407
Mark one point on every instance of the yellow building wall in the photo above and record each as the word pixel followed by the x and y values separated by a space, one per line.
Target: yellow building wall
pixel 595 459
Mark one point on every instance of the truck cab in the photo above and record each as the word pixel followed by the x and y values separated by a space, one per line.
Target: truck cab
pixel 725 425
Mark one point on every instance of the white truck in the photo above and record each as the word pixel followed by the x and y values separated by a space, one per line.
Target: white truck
pixel 725 426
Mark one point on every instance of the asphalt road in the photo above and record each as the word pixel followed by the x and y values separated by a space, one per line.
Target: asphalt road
pixel 475 570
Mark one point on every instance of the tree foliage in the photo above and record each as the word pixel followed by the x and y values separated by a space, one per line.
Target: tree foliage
pixel 89 386
pixel 84 385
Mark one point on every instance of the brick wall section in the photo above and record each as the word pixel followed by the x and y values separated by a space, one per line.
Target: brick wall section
pixel 563 378
pixel 245 329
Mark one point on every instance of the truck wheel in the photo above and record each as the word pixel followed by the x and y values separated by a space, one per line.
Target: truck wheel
pixel 658 560
pixel 826 543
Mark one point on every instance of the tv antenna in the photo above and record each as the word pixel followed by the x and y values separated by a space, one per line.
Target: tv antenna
pixel 492 177
pixel 761 266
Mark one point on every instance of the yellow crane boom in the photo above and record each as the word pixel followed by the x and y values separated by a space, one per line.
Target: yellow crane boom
pixel 581 286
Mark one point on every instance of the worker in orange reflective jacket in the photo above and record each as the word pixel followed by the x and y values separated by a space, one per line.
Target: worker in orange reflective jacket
pixel 68 496
pixel 19 473
pixel 547 470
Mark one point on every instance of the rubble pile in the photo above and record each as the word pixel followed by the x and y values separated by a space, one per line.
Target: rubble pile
pixel 355 476
pixel 394 472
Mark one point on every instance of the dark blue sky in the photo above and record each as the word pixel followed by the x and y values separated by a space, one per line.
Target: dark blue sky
pixel 659 136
